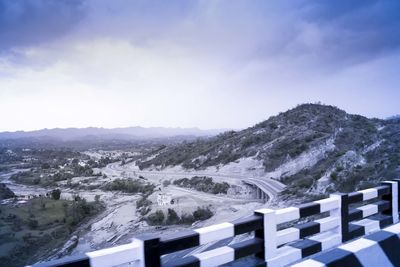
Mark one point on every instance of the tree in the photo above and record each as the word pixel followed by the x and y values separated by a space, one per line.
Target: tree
pixel 45 166
pixel 33 224
pixel 55 194
pixel 156 218
pixel 172 217
pixel 202 214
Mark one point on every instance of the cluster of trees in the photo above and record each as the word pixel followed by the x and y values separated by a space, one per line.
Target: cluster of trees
pixel 27 177
pixel 47 174
pixel 203 184
pixel 40 225
pixel 6 157
pixel 46 159
pixel 80 209
pixel 84 171
pixel 101 163
pixel 62 175
pixel 158 217
pixel 130 186
pixel 143 205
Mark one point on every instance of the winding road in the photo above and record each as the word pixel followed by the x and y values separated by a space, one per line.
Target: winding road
pixel 269 186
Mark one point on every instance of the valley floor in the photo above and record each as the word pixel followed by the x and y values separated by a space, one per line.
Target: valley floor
pixel 120 221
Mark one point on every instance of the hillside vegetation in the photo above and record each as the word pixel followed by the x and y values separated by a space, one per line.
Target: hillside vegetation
pixel 312 148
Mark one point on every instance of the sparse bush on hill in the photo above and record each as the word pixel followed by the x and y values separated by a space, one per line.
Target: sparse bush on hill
pixel 293 132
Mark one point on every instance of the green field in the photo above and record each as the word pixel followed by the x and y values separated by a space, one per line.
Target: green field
pixel 31 231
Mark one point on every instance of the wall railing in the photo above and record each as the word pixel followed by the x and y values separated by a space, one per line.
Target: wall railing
pixel 281 237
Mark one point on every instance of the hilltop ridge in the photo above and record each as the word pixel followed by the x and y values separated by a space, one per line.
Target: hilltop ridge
pixel 310 146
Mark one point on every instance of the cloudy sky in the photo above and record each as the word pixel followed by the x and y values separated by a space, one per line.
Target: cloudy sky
pixel 210 64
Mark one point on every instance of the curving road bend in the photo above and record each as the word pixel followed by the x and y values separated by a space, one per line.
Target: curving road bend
pixel 269 186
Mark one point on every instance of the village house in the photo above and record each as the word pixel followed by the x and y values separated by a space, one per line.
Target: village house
pixel 164 199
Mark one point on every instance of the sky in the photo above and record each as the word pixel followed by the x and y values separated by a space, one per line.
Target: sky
pixel 193 63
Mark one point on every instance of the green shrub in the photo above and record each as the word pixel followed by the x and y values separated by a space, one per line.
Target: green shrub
pixel 130 186
pixel 143 202
pixel 203 184
pixel 143 211
pixel 156 218
pixel 339 169
pixel 55 194
pixel 79 209
pixel 172 217
pixel 306 182
pixel 187 219
pixel 33 224
pixel 202 214
pixel 334 176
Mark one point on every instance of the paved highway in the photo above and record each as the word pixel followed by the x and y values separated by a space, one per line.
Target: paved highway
pixel 269 186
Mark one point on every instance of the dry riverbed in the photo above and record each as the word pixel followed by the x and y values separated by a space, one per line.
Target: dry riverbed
pixel 120 220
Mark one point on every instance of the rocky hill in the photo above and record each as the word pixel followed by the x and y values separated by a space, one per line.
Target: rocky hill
pixel 312 148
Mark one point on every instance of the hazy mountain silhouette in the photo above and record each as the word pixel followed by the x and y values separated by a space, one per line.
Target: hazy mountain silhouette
pixel 69 134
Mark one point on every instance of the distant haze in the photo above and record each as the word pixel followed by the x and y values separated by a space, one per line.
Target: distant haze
pixel 207 64
pixel 128 133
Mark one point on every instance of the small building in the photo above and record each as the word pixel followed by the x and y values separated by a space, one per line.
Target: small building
pixel 82 163
pixel 164 199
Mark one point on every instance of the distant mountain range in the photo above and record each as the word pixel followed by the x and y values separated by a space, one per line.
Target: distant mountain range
pixel 128 133
pixel 395 117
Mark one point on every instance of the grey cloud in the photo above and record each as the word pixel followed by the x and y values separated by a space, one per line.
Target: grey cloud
pixel 356 30
pixel 26 23
pixel 330 34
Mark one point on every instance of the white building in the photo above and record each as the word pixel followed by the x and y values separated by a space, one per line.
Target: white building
pixel 164 199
